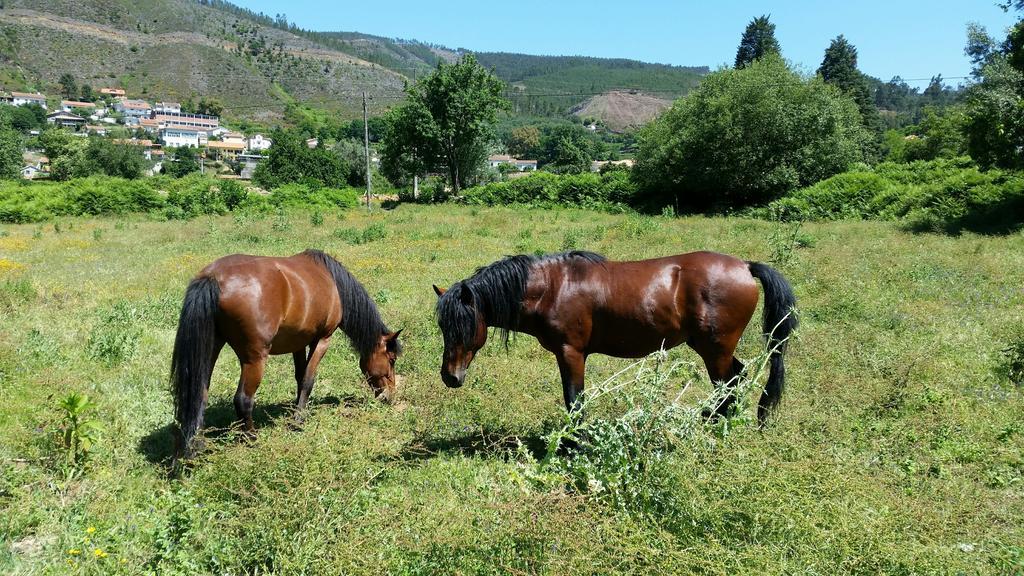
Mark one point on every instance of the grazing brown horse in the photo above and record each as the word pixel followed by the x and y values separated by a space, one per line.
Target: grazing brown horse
pixel 578 303
pixel 261 306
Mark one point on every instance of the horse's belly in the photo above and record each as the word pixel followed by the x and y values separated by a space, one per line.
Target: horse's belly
pixel 630 338
pixel 292 339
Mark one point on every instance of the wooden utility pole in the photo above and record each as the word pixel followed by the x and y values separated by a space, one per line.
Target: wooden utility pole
pixel 366 150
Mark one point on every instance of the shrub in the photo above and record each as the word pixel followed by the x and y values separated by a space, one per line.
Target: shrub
pixel 941 195
pixel 748 136
pixel 305 196
pixel 612 190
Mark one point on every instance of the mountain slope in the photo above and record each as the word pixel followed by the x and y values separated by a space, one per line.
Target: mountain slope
pixel 256 65
pixel 621 110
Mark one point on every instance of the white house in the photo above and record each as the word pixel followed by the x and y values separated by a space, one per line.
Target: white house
pixel 258 142
pixel 32 171
pixel 177 137
pixel 72 105
pixel 167 108
pixel 25 98
pixel 522 165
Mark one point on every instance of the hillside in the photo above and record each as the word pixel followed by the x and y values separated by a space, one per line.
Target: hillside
pixel 256 65
pixel 620 110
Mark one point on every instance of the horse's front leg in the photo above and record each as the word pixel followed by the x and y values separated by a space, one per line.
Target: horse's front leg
pixel 316 354
pixel 572 365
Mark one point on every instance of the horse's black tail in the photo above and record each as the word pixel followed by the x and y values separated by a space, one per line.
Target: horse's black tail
pixel 192 362
pixel 779 322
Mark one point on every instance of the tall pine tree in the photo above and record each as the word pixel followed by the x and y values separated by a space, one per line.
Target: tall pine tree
pixel 839 68
pixel 758 39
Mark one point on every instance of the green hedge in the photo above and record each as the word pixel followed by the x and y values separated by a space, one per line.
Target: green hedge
pixel 947 195
pixel 612 190
pixel 174 198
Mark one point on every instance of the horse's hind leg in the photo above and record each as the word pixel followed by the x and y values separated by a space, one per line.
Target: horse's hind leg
pixel 725 371
pixel 252 375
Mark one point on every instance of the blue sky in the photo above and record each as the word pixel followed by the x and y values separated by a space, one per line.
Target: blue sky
pixel 910 38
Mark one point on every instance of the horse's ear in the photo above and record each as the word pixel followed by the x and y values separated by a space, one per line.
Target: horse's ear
pixel 466 296
pixel 439 291
pixel 391 342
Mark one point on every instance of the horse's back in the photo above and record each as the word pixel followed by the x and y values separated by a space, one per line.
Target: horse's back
pixel 637 306
pixel 278 302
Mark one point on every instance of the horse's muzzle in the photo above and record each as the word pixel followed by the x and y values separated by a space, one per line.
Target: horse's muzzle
pixel 451 380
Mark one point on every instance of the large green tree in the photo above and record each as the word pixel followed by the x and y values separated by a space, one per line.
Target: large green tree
pixel 994 124
pixel 291 160
pixel 68 86
pixel 747 136
pixel 758 40
pixel 11 148
pixel 106 156
pixel 569 149
pixel 839 68
pixel 185 162
pixel 447 122
pixel 66 153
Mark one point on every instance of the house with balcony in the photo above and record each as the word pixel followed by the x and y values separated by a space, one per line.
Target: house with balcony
pixel 66 120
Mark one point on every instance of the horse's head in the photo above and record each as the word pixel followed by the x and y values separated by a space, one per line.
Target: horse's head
pixel 378 366
pixel 464 331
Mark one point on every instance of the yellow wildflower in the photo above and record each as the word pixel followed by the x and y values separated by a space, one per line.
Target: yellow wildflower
pixel 99 553
pixel 74 551
pixel 90 529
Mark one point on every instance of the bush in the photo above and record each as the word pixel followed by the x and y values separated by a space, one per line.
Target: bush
pixel 940 195
pixel 748 136
pixel 612 190
pixel 176 198
pixel 306 196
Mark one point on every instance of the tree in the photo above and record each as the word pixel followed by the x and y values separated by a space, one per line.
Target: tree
pixel 747 136
pixel 758 41
pixel 839 68
pixel 290 160
pixel 568 148
pixel 209 106
pixel 20 118
pixel 11 148
pixel 87 93
pixel 68 86
pixel 65 152
pixel 120 160
pixel 524 142
pixel 447 122
pixel 184 162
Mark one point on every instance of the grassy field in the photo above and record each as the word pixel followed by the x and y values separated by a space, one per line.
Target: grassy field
pixel 898 449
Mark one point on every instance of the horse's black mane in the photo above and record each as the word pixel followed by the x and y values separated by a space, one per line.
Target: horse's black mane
pixel 498 290
pixel 360 320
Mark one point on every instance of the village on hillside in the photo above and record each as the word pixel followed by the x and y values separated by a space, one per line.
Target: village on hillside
pixel 152 126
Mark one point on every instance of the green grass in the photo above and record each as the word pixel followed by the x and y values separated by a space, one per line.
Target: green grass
pixel 898 448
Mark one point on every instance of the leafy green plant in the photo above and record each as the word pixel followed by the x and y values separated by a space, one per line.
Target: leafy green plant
pixel 77 432
pixel 316 218
pixel 625 445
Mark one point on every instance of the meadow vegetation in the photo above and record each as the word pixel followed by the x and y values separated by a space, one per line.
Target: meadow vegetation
pixel 897 449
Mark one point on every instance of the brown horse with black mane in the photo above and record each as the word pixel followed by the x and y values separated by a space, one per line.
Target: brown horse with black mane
pixel 579 303
pixel 261 306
